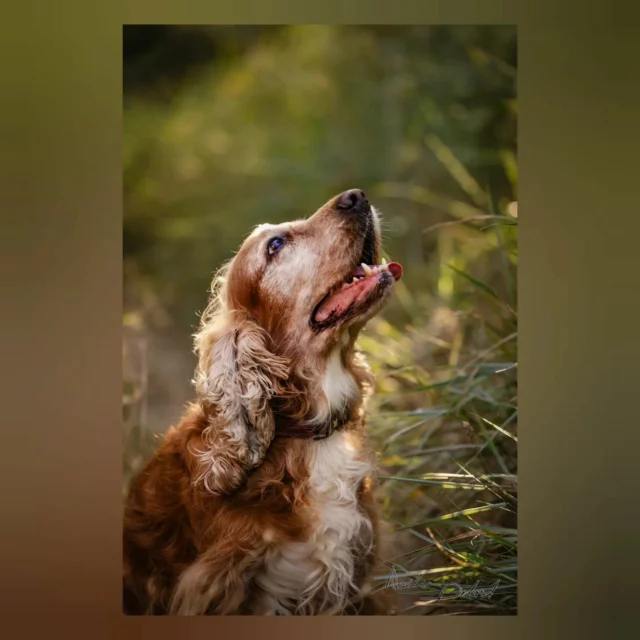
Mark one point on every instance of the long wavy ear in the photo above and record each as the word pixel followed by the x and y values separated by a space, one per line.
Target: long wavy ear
pixel 237 375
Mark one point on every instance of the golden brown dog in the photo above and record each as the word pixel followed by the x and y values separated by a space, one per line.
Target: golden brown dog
pixel 260 500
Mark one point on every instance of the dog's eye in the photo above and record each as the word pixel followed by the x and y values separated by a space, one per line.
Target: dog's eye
pixel 275 244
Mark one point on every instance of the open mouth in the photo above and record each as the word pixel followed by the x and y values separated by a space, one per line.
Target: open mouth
pixel 355 294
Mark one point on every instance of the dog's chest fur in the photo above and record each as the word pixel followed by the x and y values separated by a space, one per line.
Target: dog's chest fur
pixel 317 575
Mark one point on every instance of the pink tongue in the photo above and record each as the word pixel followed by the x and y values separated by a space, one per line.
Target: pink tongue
pixel 340 301
pixel 396 270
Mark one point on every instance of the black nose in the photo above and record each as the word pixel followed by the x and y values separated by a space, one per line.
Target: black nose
pixel 353 200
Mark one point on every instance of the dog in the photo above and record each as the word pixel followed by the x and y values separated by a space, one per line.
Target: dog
pixel 261 500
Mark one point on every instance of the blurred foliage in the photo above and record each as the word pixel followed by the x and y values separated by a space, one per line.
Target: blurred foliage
pixel 279 119
pixel 229 127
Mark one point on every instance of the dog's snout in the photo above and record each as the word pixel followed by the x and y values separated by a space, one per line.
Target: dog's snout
pixel 353 200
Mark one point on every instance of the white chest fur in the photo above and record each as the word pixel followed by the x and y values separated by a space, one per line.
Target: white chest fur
pixel 338 384
pixel 318 574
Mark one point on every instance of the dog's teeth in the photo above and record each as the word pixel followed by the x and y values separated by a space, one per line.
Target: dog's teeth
pixel 367 269
pixel 354 280
pixel 384 264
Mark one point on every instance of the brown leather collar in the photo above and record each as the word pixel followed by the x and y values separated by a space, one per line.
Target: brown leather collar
pixel 287 428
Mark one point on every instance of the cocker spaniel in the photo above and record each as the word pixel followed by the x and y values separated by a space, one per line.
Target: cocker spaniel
pixel 260 500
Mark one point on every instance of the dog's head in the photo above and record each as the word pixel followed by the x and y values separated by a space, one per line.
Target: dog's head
pixel 308 282
pixel 293 293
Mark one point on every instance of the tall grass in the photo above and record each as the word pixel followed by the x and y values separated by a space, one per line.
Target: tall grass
pixel 444 421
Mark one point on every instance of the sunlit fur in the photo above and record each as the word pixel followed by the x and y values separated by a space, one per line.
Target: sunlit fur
pixel 228 517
